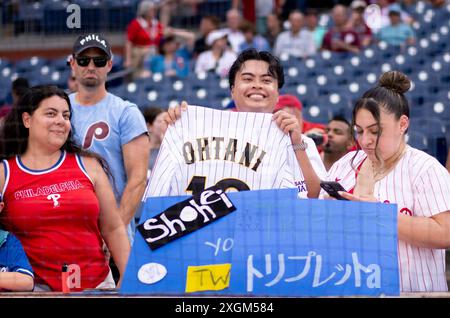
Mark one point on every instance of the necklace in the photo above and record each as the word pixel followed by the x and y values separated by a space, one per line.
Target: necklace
pixel 388 165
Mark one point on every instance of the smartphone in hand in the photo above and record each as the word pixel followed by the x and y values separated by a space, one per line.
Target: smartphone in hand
pixel 332 188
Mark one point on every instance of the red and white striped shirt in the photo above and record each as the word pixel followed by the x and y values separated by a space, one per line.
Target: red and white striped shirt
pixel 420 186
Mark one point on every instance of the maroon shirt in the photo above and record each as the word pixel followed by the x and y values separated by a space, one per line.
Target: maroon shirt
pixel 348 36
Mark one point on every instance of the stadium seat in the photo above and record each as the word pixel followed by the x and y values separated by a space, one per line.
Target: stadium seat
pixel 289 60
pixel 4 63
pixel 151 98
pixel 439 70
pixel 417 140
pixel 444 96
pixel 118 91
pixel 339 103
pixel 400 63
pixel 29 18
pixel 444 77
pixel 368 79
pixel 428 48
pixel 119 14
pixel 417 95
pixel 5 93
pixel 354 67
pixel 329 59
pixel 370 57
pixel 221 91
pixel 59 64
pixel 312 67
pixel 203 80
pixel 440 17
pixel 6 74
pixel 30 64
pixel 46 75
pixel 117 63
pixel 387 51
pixel 93 15
pixel 318 113
pixel 295 75
pixel 55 16
pixel 326 83
pixel 417 9
pixel 355 90
pixel 215 7
pixel 439 109
pixel 435 130
pixel 307 93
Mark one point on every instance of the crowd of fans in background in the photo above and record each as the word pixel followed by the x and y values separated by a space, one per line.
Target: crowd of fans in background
pixel 215 45
pixel 286 27
pixel 281 27
pixel 153 46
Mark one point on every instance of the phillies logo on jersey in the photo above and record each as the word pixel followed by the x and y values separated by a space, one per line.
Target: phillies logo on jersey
pixel 55 197
pixel 97 131
pixel 185 217
pixel 406 211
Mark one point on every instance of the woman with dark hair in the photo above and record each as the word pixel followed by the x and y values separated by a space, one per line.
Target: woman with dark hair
pixel 385 169
pixel 58 199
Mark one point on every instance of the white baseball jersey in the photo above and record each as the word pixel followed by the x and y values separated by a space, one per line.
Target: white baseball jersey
pixel 420 186
pixel 236 150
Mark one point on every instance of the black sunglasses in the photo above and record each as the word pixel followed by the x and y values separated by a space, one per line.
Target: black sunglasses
pixel 99 61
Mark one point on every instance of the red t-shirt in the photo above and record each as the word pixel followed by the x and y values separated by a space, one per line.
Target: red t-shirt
pixel 348 37
pixel 55 215
pixel 138 35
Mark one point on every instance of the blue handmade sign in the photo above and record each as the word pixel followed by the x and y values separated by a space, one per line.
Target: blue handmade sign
pixel 273 244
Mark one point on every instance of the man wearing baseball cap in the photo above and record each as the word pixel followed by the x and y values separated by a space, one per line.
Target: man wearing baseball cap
pixel 109 126
pixel 293 105
pixel 92 41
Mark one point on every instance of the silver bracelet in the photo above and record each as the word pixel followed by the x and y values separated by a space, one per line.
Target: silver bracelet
pixel 301 146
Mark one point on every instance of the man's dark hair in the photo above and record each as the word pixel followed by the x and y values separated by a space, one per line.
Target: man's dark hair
pixel 275 67
pixel 20 86
pixel 311 11
pixel 342 119
pixel 247 26
pixel 150 114
pixel 215 20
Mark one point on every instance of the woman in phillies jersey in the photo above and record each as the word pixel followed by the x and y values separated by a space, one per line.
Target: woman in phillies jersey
pixel 58 199
pixel 386 169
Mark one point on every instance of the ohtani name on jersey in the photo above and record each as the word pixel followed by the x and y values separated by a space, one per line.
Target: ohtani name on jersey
pixel 50 189
pixel 217 148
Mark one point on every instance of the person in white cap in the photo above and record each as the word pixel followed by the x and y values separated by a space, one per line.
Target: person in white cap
pixel 219 58
pixel 357 23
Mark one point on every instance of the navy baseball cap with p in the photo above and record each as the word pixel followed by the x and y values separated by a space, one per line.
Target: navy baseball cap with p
pixel 93 40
